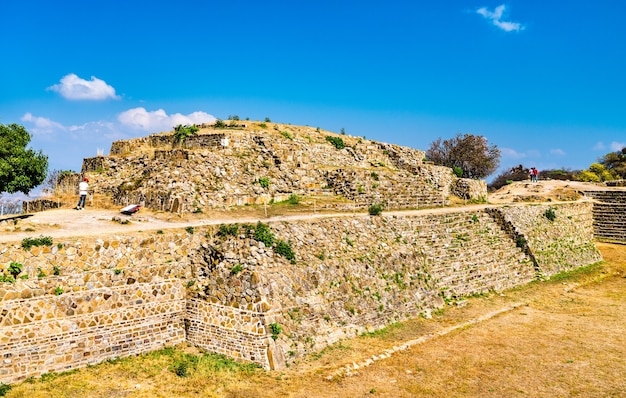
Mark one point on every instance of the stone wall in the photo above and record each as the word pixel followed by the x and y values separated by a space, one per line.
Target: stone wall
pixel 222 168
pixel 88 300
pixel 609 214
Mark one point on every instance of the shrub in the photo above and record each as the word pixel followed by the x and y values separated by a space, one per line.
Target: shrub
pixel 40 273
pixel 263 125
pixel 550 214
pixel 375 210
pixel 521 242
pixel 4 389
pixel 56 270
pixel 190 230
pixel 374 176
pixel 180 368
pixel 337 142
pixel 219 124
pixel 293 199
pixel 182 132
pixel 457 171
pixel 58 291
pixel 284 249
pixel 7 278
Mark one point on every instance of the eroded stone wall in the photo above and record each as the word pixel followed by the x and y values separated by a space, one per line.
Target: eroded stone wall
pixel 88 300
pixel 222 168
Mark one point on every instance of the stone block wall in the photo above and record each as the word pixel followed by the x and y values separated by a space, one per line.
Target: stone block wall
pixel 222 168
pixel 554 245
pixel 122 295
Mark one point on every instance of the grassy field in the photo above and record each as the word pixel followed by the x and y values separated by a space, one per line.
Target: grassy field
pixel 564 338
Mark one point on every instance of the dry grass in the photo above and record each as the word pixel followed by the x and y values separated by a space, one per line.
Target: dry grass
pixel 566 340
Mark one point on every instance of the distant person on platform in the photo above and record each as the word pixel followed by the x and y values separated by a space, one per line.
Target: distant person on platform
pixel 82 190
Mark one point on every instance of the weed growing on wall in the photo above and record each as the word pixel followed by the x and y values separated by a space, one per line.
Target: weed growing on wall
pixel 275 329
pixel 375 210
pixel 286 134
pixel 264 182
pixel 550 214
pixel 284 249
pixel 228 230
pixel 27 243
pixel 337 142
pixel 262 233
pixel 15 269
pixel 236 269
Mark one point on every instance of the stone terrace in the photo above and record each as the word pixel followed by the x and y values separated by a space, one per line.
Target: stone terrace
pixel 261 163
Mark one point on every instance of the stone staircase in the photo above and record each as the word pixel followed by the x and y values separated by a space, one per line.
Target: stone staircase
pixel 609 214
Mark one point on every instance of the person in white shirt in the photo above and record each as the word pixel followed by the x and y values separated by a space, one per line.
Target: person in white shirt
pixel 82 188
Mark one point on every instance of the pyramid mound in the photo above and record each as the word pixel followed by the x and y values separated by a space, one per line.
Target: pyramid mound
pixel 245 163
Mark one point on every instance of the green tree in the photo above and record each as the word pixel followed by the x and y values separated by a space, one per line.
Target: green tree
pixel 615 163
pixel 21 169
pixel 601 171
pixel 471 153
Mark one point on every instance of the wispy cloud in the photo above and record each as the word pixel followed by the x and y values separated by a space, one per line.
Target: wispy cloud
pixel 495 17
pixel 512 153
pixel 41 125
pixel 617 146
pixel 599 146
pixel 557 152
pixel 159 120
pixel 73 87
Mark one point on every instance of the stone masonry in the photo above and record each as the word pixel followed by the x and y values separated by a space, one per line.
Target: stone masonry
pixel 260 163
pixel 82 301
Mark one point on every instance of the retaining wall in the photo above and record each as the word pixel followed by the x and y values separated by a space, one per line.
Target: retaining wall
pixel 122 295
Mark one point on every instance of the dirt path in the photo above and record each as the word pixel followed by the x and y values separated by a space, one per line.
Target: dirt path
pixel 65 223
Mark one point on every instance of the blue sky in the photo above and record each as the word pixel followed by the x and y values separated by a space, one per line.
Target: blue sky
pixel 543 80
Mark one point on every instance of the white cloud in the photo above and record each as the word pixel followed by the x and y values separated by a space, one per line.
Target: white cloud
pixel 42 125
pixel 495 17
pixel 557 152
pixel 73 87
pixel 155 121
pixel 617 146
pixel 599 146
pixel 509 153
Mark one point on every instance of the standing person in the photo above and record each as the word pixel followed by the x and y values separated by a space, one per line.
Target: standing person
pixel 531 175
pixel 82 190
pixel 535 174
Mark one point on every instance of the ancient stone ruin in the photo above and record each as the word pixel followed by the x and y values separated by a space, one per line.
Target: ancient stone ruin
pixel 270 292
